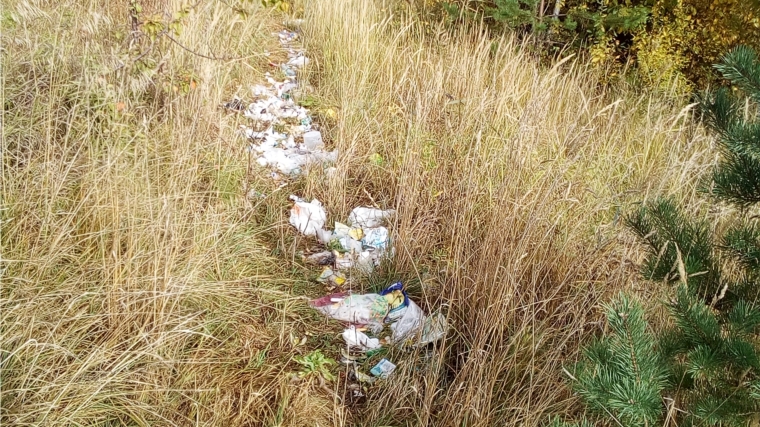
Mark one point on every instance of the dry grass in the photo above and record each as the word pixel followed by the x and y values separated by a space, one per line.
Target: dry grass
pixel 141 286
pixel 139 283
pixel 509 199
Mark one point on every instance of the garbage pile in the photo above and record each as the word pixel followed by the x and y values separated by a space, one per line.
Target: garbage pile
pixel 284 139
pixel 368 313
pixel 360 245
pixel 282 133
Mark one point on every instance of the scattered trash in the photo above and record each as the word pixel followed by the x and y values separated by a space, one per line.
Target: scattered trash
pixel 235 105
pixel 294 23
pixel 307 217
pixel 350 359
pixel 383 369
pixel 357 338
pixel 331 277
pixel 361 246
pixel 298 61
pixel 361 309
pixel 328 299
pixel 398 300
pixel 434 328
pixel 408 322
pixel 287 37
pixel 312 140
pixel 363 378
pixel 376 238
pixel 369 217
pixel 356 233
pixel 321 258
pixel 288 71
pixel 279 123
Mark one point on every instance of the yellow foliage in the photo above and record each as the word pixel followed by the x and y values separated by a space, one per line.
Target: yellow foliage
pixel 660 54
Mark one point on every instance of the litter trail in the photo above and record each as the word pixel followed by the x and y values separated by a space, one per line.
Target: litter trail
pixel 281 132
pixel 285 139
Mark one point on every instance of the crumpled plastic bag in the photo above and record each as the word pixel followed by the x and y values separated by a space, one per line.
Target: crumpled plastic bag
pixel 307 217
pixel 433 329
pixel 411 320
pixel 358 339
pixel 376 238
pixel 363 217
pixel 360 309
pixel 398 300
pixel 392 305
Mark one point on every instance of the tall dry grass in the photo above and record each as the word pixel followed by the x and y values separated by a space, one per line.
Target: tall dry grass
pixel 140 285
pixel 510 179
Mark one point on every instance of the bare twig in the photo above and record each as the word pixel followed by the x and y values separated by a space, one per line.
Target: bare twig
pixel 214 57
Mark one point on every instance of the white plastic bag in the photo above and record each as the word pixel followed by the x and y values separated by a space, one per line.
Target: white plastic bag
pixel 312 140
pixel 434 328
pixel 410 322
pixel 369 217
pixel 359 339
pixel 363 309
pixel 307 217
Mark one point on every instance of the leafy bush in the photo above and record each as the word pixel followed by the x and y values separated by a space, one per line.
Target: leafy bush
pixel 666 38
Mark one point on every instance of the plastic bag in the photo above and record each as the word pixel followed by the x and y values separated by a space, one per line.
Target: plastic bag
pixel 369 217
pixel 411 321
pixel 376 238
pixel 307 217
pixel 312 140
pixel 434 328
pixel 383 369
pixel 356 338
pixel 397 302
pixel 364 309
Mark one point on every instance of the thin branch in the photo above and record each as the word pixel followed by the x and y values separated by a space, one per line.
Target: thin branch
pixel 215 58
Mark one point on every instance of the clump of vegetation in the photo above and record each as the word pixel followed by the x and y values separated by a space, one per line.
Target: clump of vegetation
pixel 704 367
pixel 665 39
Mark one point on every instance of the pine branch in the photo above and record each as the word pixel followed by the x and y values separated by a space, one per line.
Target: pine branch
pixel 742 241
pixel 623 376
pixel 703 362
pixel 666 231
pixel 744 319
pixel 721 110
pixel 742 138
pixel 694 319
pixel 737 180
pixel 740 66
